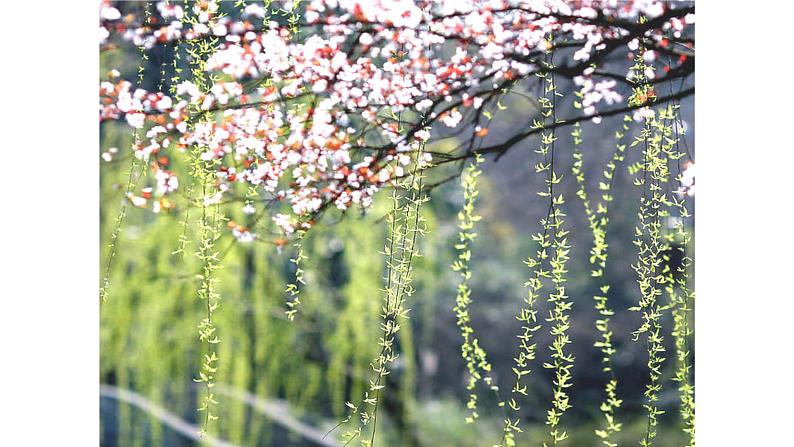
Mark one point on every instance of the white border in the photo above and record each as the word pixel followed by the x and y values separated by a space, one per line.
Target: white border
pixel 49 239
pixel 745 233
pixel 49 262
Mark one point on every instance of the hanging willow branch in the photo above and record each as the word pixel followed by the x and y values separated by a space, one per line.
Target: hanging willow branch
pixel 559 315
pixel 598 220
pixel 676 278
pixel 405 225
pixel 293 288
pixel 477 363
pixel 682 302
pixel 552 254
pixel 209 226
pixel 184 222
pixel 656 140
pixel 132 181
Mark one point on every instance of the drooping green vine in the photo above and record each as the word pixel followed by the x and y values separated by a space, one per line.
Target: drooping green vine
pixel 681 297
pixel 104 290
pixel 182 239
pixel 598 219
pixel 677 278
pixel 477 363
pixel 293 14
pixel 655 139
pixel 209 232
pixel 209 229
pixel 682 301
pixel 475 356
pixel 240 4
pixel 132 179
pixel 405 223
pixel 293 287
pixel 400 277
pixel 549 263
pixel 559 316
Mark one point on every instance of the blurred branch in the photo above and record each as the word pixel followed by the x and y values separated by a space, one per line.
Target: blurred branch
pixel 277 412
pixel 166 417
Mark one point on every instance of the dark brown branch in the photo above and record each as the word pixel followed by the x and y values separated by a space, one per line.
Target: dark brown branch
pixel 501 148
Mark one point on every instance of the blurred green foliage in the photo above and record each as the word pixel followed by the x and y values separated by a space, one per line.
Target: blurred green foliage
pixel 149 342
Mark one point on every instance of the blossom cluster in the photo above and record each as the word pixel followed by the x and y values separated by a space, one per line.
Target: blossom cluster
pixel 117 100
pixel 322 122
